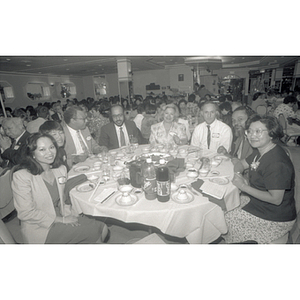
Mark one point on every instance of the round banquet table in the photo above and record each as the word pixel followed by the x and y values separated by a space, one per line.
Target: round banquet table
pixel 200 221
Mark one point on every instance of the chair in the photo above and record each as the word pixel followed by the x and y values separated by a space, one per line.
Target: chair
pixel 6 195
pixel 5 235
pixel 292 237
pixel 290 132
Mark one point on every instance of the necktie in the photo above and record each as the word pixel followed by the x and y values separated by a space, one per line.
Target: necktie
pixel 208 136
pixel 82 144
pixel 122 137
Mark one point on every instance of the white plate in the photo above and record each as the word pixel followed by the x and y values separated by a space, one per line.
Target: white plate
pixel 81 169
pixel 221 181
pixel 86 187
pixel 190 198
pixel 134 199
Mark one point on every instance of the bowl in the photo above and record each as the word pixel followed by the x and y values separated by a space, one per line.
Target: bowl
pixel 93 177
pixel 192 173
pixel 117 168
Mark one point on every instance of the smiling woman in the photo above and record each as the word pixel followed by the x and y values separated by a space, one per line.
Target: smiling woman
pixel 40 201
pixel 268 210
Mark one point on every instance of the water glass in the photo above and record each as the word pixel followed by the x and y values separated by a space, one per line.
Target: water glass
pixel 106 174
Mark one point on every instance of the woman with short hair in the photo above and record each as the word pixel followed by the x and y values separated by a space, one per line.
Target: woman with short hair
pixel 267 212
pixel 169 131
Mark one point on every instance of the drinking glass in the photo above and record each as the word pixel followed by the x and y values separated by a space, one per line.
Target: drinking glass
pixel 124 185
pixel 106 174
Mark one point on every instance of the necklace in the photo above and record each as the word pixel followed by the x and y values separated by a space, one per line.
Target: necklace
pixel 254 165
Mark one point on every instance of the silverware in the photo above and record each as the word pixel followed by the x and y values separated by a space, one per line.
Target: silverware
pixel 107 197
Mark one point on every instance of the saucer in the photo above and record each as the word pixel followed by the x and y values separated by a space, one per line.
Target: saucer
pixel 221 181
pixel 86 187
pixel 81 169
pixel 133 199
pixel 190 198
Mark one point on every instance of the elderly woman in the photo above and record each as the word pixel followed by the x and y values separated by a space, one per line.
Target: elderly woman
pixel 38 191
pixel 169 131
pixel 268 210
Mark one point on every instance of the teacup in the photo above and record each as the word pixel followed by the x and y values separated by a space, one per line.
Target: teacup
pixel 192 173
pixel 182 195
pixel 203 172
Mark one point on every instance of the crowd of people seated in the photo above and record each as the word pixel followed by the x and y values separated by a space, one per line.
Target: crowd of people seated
pixel 40 144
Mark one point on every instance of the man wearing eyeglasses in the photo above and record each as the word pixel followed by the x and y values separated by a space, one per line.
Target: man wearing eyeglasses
pixel 241 147
pixel 116 134
pixel 79 142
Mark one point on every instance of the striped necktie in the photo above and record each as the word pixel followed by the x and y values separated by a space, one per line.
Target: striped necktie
pixel 122 137
pixel 82 143
pixel 208 136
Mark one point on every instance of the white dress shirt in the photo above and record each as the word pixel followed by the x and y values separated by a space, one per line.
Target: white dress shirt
pixel 127 142
pixel 138 121
pixel 221 135
pixel 76 141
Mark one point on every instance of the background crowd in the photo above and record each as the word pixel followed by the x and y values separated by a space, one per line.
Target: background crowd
pixel 34 139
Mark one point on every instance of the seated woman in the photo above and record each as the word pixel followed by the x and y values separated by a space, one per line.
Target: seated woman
pixel 96 120
pixel 182 108
pixel 56 131
pixel 267 212
pixel 169 131
pixel 38 191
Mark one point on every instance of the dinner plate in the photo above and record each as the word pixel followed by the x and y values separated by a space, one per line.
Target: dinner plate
pixel 81 169
pixel 190 198
pixel 133 199
pixel 221 181
pixel 86 187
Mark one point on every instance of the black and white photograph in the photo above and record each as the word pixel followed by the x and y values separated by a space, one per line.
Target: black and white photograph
pixel 148 154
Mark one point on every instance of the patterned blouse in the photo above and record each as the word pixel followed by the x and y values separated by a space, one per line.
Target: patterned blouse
pixel 95 124
pixel 160 136
pixel 286 110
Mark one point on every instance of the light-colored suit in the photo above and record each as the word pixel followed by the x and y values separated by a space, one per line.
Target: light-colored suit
pixel 70 146
pixel 34 204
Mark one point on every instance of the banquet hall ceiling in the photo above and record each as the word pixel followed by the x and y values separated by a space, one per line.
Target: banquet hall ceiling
pixel 98 65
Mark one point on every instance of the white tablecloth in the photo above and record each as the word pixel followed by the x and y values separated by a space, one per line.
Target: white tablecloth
pixel 200 221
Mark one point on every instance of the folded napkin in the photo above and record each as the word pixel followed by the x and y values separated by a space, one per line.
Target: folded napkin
pixel 71 183
pixel 105 193
pixel 176 165
pixel 197 186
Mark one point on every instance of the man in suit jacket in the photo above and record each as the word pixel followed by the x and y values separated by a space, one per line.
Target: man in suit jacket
pixel 116 134
pixel 13 149
pixel 241 147
pixel 78 137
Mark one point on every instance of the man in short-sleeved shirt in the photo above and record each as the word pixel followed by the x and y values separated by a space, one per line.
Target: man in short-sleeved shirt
pixel 274 172
pixel 220 133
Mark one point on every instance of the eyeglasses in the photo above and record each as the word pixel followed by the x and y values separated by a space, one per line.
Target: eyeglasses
pixel 258 132
pixel 117 116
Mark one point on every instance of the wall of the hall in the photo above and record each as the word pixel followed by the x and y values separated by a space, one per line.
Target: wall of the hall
pixel 167 79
